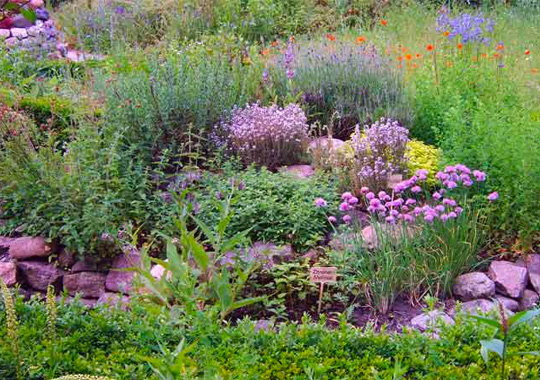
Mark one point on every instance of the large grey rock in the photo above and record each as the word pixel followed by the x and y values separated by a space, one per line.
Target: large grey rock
pixel 508 303
pixel 8 273
pixel 431 320
pixel 4 33
pixel 480 306
pixel 20 33
pixel 300 171
pixel 39 275
pixel 33 31
pixel 119 278
pixel 528 300
pixel 113 299
pixel 532 263
pixel 473 285
pixel 29 247
pixel 88 284
pixel 510 279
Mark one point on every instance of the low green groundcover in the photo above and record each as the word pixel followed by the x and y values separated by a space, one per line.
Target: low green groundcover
pixel 117 344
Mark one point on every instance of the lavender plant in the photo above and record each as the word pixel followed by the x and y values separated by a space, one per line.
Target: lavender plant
pixel 266 136
pixel 379 152
pixel 353 80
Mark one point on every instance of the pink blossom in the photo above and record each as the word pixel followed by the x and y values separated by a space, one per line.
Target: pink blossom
pixel 450 184
pixel 370 195
pixel 364 190
pixel 493 196
pixel 332 219
pixel 449 202
pixel 353 200
pixel 480 176
pixel 441 176
pixel 458 210
pixel 347 219
pixel 344 207
pixel 346 195
pixel 416 189
pixel 437 196
pixel 319 202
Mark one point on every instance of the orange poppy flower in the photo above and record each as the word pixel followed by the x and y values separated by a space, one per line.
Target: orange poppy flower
pixel 360 39
pixel 408 57
pixel 459 46
pixel 404 49
pixel 331 37
pixel 265 52
pixel 400 58
pixel 275 44
pixel 495 55
pixel 430 47
pixel 475 59
pixel 484 55
pixel 384 22
pixel 291 38
pixel 400 66
pixel 527 52
pixel 500 47
pixel 446 33
pixel 534 70
pixel 418 56
pixel 414 65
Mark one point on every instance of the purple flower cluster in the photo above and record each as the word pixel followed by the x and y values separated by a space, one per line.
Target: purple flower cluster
pixel 379 151
pixel 404 204
pixel 267 136
pixel 288 60
pixel 471 28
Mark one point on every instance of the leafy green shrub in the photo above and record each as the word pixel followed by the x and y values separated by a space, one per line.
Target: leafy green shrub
pixel 276 208
pixel 114 344
pixel 175 100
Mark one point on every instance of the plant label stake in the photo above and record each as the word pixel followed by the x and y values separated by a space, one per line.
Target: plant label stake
pixel 322 275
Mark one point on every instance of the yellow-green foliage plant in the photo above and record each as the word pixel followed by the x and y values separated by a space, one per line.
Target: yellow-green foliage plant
pixel 82 377
pixel 12 325
pixel 423 156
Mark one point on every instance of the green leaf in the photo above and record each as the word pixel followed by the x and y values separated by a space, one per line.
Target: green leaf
pixel 207 231
pixel 522 317
pixel 246 302
pixel 200 255
pixel 488 321
pixel 493 345
pixel 29 14
pixel 11 6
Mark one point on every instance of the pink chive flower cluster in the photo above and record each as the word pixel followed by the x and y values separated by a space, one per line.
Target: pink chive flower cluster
pixel 266 136
pixel 379 151
pixel 404 204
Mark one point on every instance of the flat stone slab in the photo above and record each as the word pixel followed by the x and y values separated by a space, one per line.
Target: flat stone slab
pixel 510 279
pixel 88 284
pixel 29 247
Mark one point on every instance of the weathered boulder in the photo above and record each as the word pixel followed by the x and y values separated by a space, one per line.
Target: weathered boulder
pixel 20 33
pixel 532 263
pixel 473 285
pixel 300 171
pixel 113 299
pixel 431 320
pixel 479 306
pixel 528 300
pixel 86 264
pixel 510 279
pixel 88 284
pixel 8 273
pixel 29 247
pixel 39 275
pixel 508 303
pixel 120 278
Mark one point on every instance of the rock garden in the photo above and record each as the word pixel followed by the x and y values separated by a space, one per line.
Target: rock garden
pixel 269 190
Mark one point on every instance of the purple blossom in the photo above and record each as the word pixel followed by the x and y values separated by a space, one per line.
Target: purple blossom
pixel 437 196
pixel 320 202
pixel 352 200
pixel 466 27
pixel 347 219
pixel 364 190
pixel 441 176
pixel 480 176
pixel 332 219
pixel 370 196
pixel 449 202
pixel 344 207
pixel 416 189
pixel 493 196
pixel 345 196
pixel 422 174
pixel 450 184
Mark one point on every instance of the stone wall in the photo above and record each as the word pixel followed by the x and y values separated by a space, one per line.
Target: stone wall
pixel 34 264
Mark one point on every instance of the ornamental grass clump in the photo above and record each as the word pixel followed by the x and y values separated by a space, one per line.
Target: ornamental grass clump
pixel 266 136
pixel 379 152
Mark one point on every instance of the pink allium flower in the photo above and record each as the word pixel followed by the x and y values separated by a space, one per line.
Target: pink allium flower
pixel 410 202
pixel 352 200
pixel 364 190
pixel 390 219
pixel 437 196
pixel 382 194
pixel 375 202
pixel 394 212
pixel 493 196
pixel 404 209
pixel 429 218
pixel 458 210
pixel 408 218
pixel 439 208
pixel 468 183
pixel 441 176
pixel 370 195
pixel 463 169
pixel 319 202
pixel 450 169
pixel 452 214
pixel 449 202
pixel 416 189
pixel 344 207
pixel 422 174
pixel 332 219
pixel 450 184
pixel 346 195
pixel 444 217
pixel 480 176
pixel 417 211
pixel 347 219
pixel 372 209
